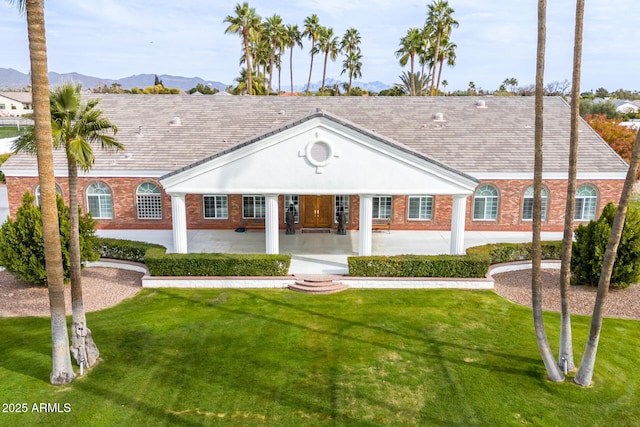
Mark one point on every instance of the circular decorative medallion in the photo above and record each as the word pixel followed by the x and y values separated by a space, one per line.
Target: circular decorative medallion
pixel 319 153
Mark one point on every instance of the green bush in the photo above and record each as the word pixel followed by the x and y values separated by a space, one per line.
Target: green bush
pixel 3 158
pixel 204 264
pixel 591 244
pixel 511 252
pixel 461 266
pixel 127 250
pixel 22 242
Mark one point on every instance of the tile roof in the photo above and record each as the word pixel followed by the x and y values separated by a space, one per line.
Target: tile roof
pixel 22 97
pixel 496 139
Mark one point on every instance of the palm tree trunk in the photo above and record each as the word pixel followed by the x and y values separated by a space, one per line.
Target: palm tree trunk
pixel 553 372
pixel 248 58
pixel 83 348
pixel 565 355
pixel 412 83
pixel 435 60
pixel 439 75
pixel 324 70
pixel 585 371
pixel 291 68
pixel 310 69
pixel 62 371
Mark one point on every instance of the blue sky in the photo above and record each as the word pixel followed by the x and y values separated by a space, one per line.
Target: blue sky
pixel 496 39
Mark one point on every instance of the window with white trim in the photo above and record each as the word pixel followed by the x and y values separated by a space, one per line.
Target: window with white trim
pixel 586 203
pixel 342 205
pixel 149 201
pixel 291 202
pixel 420 207
pixel 381 207
pixel 485 203
pixel 527 204
pixel 58 191
pixel 215 206
pixel 99 201
pixel 253 207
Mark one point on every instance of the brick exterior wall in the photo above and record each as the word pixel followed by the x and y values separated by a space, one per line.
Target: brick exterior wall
pixel 510 192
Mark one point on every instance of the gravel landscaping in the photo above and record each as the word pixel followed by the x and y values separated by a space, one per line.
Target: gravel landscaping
pixel 106 287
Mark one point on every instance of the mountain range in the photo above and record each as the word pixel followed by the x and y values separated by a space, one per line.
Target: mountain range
pixel 13 79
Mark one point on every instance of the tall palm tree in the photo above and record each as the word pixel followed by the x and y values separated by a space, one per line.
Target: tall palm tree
pixel 352 63
pixel 440 17
pixel 329 44
pixel 565 354
pixel 273 30
pixel 293 39
pixel 425 53
pixel 409 47
pixel 75 127
pixel 62 371
pixel 448 53
pixel 553 372
pixel 241 23
pixel 312 31
pixel 585 371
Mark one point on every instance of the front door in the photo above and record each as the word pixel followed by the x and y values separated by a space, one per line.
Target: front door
pixel 317 211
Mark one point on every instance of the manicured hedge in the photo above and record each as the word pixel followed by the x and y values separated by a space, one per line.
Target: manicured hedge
pixel 510 252
pixel 459 266
pixel 204 264
pixel 127 250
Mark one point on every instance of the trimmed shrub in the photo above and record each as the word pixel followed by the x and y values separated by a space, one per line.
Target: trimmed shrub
pixel 204 264
pixel 22 242
pixel 3 158
pixel 511 252
pixel 591 244
pixel 127 250
pixel 449 266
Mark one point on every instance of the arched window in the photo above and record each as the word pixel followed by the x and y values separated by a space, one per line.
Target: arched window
pixel 586 203
pixel 149 201
pixel 527 204
pixel 99 200
pixel 485 203
pixel 58 190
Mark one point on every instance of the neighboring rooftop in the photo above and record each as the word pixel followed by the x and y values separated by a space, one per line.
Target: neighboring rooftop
pixel 474 135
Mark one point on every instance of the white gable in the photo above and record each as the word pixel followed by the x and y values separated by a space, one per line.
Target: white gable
pixel 319 155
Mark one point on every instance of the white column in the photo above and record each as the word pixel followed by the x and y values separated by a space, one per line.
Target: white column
pixel 458 216
pixel 366 213
pixel 179 223
pixel 271 224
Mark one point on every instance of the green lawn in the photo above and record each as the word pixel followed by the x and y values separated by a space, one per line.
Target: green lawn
pixel 10 131
pixel 279 358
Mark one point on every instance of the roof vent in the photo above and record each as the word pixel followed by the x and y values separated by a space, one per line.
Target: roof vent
pixel 438 117
pixel 128 155
pixel 281 112
pixel 175 122
pixel 481 104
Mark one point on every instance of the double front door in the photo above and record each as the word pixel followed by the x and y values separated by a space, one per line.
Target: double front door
pixel 316 211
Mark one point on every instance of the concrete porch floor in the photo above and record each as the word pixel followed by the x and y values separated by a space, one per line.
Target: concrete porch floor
pixel 322 253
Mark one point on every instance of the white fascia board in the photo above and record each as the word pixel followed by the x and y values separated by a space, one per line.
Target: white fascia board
pixel 20 173
pixel 549 175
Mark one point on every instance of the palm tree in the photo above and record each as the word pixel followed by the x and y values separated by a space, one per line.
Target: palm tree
pixel 409 47
pixel 352 63
pixel 565 354
pixel 585 371
pixel 440 18
pixel 293 39
pixel 329 44
pixel 62 371
pixel 244 20
pixel 553 372
pixel 418 82
pixel 273 30
pixel 448 52
pixel 75 128
pixel 311 31
pixel 242 84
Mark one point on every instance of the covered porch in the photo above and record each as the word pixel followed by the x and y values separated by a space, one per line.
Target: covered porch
pixel 323 253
